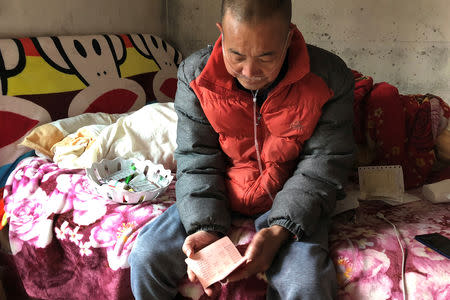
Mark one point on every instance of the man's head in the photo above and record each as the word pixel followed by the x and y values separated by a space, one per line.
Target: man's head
pixel 255 39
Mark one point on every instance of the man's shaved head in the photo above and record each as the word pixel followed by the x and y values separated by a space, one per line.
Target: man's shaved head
pixel 255 39
pixel 250 11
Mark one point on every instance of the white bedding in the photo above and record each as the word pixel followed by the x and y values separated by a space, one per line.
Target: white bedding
pixel 149 133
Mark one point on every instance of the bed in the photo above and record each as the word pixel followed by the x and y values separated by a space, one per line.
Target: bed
pixel 68 242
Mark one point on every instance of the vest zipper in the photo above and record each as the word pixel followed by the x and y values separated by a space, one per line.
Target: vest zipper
pixel 256 119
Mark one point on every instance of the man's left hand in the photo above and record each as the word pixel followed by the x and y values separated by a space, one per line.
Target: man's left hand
pixel 261 251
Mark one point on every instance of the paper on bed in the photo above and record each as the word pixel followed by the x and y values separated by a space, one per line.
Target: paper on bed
pixel 215 262
pixel 384 183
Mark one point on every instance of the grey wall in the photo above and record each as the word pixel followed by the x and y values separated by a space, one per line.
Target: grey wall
pixel 23 18
pixel 403 42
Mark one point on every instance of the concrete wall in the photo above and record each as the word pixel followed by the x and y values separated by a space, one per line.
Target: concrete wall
pixel 21 18
pixel 403 42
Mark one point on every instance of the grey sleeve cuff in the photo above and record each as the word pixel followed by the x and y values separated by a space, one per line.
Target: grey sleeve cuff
pixel 293 228
pixel 211 228
pixel 220 231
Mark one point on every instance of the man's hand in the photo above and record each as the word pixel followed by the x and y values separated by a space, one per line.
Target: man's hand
pixel 261 251
pixel 194 243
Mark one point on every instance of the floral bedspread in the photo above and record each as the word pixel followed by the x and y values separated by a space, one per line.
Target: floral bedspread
pixel 368 256
pixel 69 243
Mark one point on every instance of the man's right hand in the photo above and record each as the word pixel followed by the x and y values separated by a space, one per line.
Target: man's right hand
pixel 194 243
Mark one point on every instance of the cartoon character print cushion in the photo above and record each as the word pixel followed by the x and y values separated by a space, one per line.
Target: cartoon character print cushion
pixel 44 79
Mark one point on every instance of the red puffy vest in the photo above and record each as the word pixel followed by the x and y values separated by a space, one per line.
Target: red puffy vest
pixel 287 119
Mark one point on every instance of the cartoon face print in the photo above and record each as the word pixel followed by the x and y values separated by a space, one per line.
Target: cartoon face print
pixel 167 59
pixel 95 60
pixel 12 61
pixel 111 95
pixel 17 118
pixel 91 58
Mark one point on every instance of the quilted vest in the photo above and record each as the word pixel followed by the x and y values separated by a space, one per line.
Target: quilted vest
pixel 285 121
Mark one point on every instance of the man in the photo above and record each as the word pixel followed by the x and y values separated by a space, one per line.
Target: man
pixel 264 130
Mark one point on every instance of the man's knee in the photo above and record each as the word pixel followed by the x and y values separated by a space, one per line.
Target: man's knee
pixel 159 244
pixel 321 280
pixel 304 271
pixel 143 253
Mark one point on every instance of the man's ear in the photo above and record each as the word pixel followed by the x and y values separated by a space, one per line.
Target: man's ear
pixel 219 25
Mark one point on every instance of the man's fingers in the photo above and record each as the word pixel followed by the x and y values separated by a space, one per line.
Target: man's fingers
pixel 254 249
pixel 197 241
pixel 188 247
pixel 213 290
pixel 191 275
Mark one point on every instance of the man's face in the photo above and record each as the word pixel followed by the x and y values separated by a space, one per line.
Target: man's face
pixel 254 52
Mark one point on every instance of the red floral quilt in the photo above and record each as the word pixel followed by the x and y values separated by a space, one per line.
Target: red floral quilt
pixel 397 129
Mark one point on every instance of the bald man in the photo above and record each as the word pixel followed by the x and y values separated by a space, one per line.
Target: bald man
pixel 265 131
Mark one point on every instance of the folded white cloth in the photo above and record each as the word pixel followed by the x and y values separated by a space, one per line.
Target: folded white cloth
pixel 438 192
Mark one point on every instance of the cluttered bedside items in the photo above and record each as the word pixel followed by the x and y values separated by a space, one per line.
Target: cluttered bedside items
pixel 72 228
pixel 129 181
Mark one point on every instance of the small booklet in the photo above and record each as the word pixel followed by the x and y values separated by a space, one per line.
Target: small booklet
pixel 215 262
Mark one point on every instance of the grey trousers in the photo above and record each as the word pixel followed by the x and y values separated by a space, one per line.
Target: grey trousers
pixel 301 270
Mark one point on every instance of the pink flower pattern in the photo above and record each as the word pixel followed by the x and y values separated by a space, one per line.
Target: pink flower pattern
pixel 54 212
pixel 373 271
pixel 38 190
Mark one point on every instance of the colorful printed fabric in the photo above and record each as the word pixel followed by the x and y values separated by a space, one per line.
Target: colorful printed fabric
pixel 398 129
pixel 44 79
pixel 69 243
pixel 66 238
pixel 368 257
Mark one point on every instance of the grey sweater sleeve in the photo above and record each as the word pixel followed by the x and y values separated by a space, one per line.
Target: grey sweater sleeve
pixel 200 188
pixel 327 157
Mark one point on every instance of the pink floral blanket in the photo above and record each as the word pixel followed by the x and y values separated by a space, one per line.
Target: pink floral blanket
pixel 368 257
pixel 69 243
